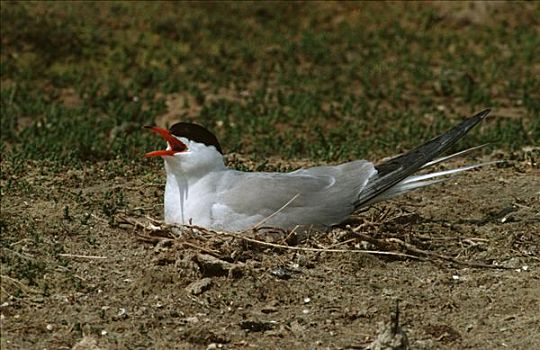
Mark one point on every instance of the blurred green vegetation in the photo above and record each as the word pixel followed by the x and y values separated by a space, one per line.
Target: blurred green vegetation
pixel 325 81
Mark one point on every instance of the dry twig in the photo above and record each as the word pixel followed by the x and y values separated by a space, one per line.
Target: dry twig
pixel 82 256
pixel 390 246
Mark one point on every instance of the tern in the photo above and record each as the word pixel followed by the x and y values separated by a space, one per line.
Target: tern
pixel 200 190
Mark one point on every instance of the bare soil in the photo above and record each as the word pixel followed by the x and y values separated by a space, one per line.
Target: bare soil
pixel 79 272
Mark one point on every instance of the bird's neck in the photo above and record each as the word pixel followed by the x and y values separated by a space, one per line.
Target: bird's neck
pixel 181 188
pixel 192 174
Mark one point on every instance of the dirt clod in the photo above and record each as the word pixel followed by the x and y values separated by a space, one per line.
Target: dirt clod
pixel 211 266
pixel 87 343
pixel 257 326
pixel 200 286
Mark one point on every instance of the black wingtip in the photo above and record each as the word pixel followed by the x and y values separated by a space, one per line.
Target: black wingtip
pixel 483 114
pixel 396 169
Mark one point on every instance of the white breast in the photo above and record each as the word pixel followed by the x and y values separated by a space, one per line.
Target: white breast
pixel 188 203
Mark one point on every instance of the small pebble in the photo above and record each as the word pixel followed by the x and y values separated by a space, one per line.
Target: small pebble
pixel 281 273
pixel 192 319
pixel 121 312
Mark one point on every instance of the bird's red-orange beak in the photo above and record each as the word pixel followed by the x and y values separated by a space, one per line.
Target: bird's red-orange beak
pixel 176 145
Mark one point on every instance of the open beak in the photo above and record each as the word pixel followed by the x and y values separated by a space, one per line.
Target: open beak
pixel 176 145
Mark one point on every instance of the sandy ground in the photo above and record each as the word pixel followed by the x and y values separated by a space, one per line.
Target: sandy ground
pixel 76 272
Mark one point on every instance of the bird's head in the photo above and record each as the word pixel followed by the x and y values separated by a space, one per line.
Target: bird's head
pixel 191 149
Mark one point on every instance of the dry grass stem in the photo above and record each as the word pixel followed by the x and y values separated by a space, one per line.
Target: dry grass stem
pixel 276 212
pixel 78 256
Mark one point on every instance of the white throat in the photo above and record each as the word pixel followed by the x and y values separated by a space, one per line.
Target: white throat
pixel 189 181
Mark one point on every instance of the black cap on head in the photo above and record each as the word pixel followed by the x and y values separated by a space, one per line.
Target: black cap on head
pixel 195 133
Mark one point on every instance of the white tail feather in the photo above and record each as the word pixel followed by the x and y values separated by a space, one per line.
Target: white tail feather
pixel 416 181
pixel 401 188
pixel 415 178
pixel 452 156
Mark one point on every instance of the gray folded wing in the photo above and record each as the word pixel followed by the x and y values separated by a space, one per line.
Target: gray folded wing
pixel 320 196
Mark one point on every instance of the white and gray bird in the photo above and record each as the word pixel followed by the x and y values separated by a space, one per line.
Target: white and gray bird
pixel 202 191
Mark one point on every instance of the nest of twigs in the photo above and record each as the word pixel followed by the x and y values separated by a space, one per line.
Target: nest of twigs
pixel 360 236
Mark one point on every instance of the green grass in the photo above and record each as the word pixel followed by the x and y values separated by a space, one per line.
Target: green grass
pixel 329 82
